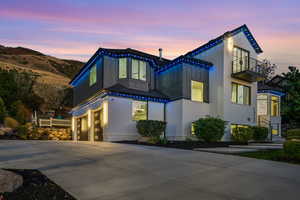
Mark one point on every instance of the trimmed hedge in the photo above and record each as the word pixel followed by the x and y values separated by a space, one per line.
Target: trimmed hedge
pixel 209 129
pixel 150 128
pixel 293 134
pixel 260 133
pixel 292 148
pixel 242 134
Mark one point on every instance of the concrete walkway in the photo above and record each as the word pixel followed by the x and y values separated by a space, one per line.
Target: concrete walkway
pixel 236 149
pixel 120 171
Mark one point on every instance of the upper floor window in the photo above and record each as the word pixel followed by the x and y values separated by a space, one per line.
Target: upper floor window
pixel 138 70
pixel 197 91
pixel 274 106
pixel 93 75
pixel 240 60
pixel 139 110
pixel 122 68
pixel 240 94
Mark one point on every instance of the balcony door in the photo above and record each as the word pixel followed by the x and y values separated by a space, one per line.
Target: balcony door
pixel 240 60
pixel 98 130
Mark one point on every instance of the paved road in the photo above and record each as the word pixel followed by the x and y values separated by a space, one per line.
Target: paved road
pixel 128 172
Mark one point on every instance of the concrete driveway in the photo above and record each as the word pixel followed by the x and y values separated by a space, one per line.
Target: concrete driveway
pixel 119 171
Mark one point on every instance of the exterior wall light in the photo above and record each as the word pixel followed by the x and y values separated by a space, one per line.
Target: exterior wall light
pixel 230 44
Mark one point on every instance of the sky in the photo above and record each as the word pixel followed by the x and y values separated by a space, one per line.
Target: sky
pixel 75 29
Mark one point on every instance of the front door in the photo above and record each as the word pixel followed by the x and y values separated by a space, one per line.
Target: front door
pixel 98 130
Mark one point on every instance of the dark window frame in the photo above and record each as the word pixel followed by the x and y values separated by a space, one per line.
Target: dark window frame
pixel 233 57
pixel 236 97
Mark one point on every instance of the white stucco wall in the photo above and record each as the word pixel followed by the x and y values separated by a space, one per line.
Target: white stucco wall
pixel 179 116
pixel 120 124
pixel 155 111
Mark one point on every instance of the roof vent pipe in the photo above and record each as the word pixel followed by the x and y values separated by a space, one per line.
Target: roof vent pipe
pixel 160 53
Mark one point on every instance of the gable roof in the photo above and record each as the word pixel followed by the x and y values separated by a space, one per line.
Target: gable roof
pixel 221 38
pixel 185 59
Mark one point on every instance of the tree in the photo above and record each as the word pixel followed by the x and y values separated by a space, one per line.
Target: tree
pixel 268 69
pixel 291 103
pixel 2 110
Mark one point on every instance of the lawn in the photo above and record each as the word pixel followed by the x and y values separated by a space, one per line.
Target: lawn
pixel 275 155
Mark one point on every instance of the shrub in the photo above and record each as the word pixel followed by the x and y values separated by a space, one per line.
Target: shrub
pixel 2 110
pixel 293 134
pixel 11 122
pixel 20 112
pixel 22 132
pixel 292 148
pixel 209 129
pixel 242 134
pixel 260 133
pixel 150 128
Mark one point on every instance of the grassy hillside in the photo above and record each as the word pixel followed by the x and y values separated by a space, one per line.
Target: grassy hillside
pixel 52 74
pixel 34 60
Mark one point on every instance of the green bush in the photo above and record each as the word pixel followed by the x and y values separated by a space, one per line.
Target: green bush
pixel 293 134
pixel 11 122
pixel 260 133
pixel 209 129
pixel 150 128
pixel 22 132
pixel 292 148
pixel 2 110
pixel 20 112
pixel 242 134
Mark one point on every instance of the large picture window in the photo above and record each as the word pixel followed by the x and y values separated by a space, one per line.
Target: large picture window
pixel 139 110
pixel 197 91
pixel 240 60
pixel 240 94
pixel 138 70
pixel 93 75
pixel 274 106
pixel 122 68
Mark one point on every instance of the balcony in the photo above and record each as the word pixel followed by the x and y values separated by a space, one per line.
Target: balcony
pixel 248 69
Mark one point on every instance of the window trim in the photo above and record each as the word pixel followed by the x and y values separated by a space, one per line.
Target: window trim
pixel 126 64
pixel 147 110
pixel 242 49
pixel 237 94
pixel 94 67
pixel 192 91
pixel 139 70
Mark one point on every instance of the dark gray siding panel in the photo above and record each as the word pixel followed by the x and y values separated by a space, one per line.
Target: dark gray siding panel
pixel 110 71
pixel 170 82
pixel 83 90
pixel 190 73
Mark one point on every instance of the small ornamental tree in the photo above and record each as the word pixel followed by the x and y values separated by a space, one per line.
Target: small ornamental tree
pixel 151 128
pixel 209 129
pixel 2 110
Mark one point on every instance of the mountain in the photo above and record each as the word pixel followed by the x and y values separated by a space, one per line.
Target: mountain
pixel 28 59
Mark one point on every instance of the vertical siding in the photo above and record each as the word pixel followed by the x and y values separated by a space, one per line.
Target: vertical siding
pixel 83 90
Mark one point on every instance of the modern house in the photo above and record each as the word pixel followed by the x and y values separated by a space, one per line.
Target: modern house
pixel 117 87
pixel 268 106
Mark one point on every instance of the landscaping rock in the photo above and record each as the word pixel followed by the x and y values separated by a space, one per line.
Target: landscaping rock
pixel 9 181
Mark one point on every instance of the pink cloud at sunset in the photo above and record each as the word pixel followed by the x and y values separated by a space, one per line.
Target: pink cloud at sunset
pixel 75 29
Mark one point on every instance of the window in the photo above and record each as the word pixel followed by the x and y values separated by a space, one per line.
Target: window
pixel 274 106
pixel 197 91
pixel 262 104
pixel 240 94
pixel 93 75
pixel 138 70
pixel 193 129
pixel 240 60
pixel 139 110
pixel 122 68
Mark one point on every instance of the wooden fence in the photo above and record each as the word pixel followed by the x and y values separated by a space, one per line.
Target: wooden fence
pixel 66 123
